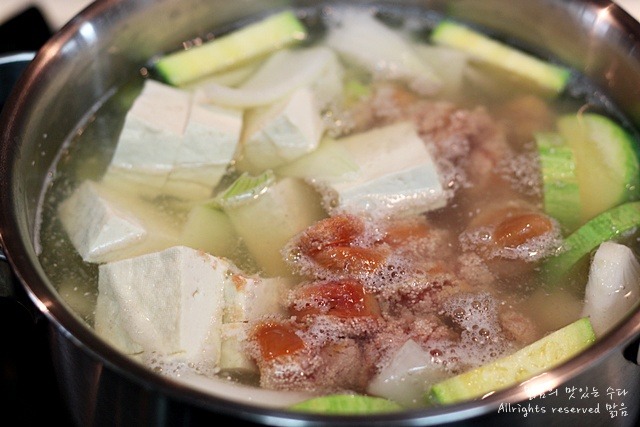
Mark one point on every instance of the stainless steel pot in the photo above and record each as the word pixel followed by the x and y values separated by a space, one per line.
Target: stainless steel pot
pixel 111 40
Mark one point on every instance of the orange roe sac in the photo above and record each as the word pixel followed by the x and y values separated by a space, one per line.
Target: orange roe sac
pixel 400 234
pixel 343 299
pixel 276 340
pixel 516 230
pixel 339 230
pixel 350 259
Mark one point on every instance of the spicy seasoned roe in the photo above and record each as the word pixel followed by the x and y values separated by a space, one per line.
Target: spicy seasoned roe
pixel 339 244
pixel 350 259
pixel 518 229
pixel 336 231
pixel 345 299
pixel 277 339
pixel 400 233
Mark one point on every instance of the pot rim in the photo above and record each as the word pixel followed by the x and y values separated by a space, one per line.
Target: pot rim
pixel 72 327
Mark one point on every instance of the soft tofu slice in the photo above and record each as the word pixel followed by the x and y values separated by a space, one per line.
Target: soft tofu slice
pixel 174 142
pixel 266 223
pixel 169 302
pixel 249 298
pixel 396 174
pixel 208 146
pixel 153 129
pixel 233 356
pixel 106 224
pixel 281 132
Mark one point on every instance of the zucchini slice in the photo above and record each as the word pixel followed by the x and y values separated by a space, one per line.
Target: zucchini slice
pixel 254 40
pixel 487 50
pixel 606 161
pixel 534 359
pixel 606 226
pixel 346 404
pixel 561 192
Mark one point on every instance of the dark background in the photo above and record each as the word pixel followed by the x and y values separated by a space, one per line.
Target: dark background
pixel 28 390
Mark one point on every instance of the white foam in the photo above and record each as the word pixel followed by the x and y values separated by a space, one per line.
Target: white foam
pixel 481 338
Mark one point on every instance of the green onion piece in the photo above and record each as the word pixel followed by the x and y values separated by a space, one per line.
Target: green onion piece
pixel 245 189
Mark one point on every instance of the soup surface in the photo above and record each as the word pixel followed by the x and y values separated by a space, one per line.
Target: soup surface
pixel 367 208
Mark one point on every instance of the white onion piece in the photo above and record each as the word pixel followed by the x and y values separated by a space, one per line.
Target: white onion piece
pixel 407 377
pixel 230 78
pixel 613 286
pixel 449 65
pixel 363 40
pixel 280 75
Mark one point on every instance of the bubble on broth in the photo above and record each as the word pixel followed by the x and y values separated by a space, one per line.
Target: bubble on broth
pixel 175 365
pixel 533 249
pixel 481 338
pixel 522 171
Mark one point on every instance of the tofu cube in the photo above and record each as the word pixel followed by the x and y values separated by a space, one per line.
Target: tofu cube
pixel 106 224
pixel 169 302
pixel 176 143
pixel 208 146
pixel 282 131
pixel 233 356
pixel 249 298
pixel 396 174
pixel 153 129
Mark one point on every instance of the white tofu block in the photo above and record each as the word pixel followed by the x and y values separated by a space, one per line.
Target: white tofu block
pixel 249 298
pixel 233 356
pixel 106 224
pixel 194 183
pixel 208 146
pixel 396 174
pixel 169 302
pixel 147 185
pixel 175 143
pixel 328 87
pixel 211 135
pixel 153 129
pixel 283 131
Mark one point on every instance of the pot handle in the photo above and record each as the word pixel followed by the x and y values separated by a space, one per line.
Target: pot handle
pixel 632 351
pixel 6 278
pixel 13 294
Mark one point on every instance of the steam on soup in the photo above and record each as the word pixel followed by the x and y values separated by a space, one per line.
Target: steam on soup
pixel 365 203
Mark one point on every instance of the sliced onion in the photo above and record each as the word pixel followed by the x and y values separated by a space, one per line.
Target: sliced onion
pixel 279 76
